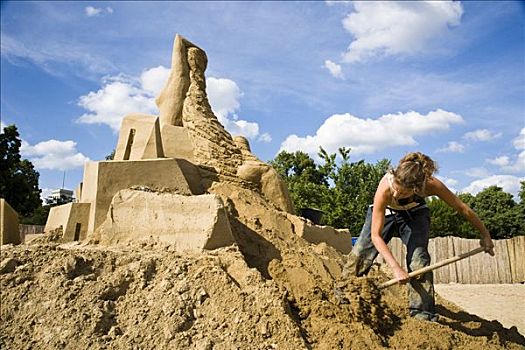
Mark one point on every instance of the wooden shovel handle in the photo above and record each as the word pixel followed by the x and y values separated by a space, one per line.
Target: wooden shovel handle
pixel 434 266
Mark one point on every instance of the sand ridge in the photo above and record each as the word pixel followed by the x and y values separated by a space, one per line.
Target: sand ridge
pixel 140 296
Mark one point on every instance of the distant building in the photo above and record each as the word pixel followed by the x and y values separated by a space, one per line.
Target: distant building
pixel 59 196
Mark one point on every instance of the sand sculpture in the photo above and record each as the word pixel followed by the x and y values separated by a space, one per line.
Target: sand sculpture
pixel 9 231
pixel 184 151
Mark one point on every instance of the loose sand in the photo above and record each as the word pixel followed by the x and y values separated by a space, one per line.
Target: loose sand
pixel 71 296
pixel 502 302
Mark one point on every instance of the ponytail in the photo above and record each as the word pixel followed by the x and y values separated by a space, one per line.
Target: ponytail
pixel 413 170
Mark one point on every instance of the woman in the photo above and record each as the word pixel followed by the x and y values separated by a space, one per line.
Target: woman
pixel 399 207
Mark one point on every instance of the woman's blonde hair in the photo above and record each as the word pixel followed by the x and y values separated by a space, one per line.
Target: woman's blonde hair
pixel 413 170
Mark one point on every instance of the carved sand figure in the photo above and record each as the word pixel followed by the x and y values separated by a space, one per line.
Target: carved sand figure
pixel 183 102
pixel 264 176
pixel 171 98
pixel 184 150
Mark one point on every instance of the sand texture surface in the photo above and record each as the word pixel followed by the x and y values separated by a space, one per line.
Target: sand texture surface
pixel 501 302
pixel 78 296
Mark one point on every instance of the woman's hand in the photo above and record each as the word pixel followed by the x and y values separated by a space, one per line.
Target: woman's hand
pixel 486 242
pixel 401 275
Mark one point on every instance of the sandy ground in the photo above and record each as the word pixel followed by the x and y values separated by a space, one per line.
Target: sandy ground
pixel 502 302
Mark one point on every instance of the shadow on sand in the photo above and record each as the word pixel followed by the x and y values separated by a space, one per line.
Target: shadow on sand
pixel 478 327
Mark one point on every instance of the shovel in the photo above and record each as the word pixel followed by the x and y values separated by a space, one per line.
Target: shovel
pixel 434 266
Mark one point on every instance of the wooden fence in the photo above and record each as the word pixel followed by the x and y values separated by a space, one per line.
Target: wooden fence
pixel 29 229
pixel 507 266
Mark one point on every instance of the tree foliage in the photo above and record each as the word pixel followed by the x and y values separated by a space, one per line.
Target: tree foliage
pixel 446 221
pixel 111 156
pixel 39 216
pixel 503 217
pixel 18 177
pixel 343 189
pixel 306 181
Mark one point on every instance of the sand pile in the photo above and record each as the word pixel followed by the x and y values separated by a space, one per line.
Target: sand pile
pixel 272 290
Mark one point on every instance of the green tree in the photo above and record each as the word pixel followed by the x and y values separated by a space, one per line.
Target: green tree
pixel 503 217
pixel 354 186
pixel 342 190
pixel 520 209
pixel 307 183
pixel 446 221
pixel 39 216
pixel 18 177
pixel 499 212
pixel 111 156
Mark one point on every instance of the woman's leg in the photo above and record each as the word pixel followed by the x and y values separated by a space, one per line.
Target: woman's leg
pixel 415 234
pixel 363 254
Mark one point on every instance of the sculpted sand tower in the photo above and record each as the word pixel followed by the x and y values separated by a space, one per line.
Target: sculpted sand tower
pixel 162 160
pixel 182 152
pixel 183 102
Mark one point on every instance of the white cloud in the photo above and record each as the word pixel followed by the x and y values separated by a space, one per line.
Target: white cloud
pixel 334 69
pixel 265 137
pixel 337 2
pixel 51 154
pixel 519 142
pixel 509 183
pixel 476 172
pixel 371 135
pixel 453 147
pixel 96 11
pixel 54 155
pixel 383 28
pixel 121 95
pixel 224 96
pixel 91 11
pixel 153 79
pixel 481 135
pixel 499 161
pixel 242 127
pixel 506 163
pixel 518 166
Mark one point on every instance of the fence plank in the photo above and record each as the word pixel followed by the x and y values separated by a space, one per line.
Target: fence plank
pixel 516 251
pixel 437 250
pixel 453 270
pixel 31 229
pixel 502 261
pixel 508 266
pixel 462 268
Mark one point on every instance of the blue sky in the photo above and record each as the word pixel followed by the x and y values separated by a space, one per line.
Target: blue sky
pixel 384 78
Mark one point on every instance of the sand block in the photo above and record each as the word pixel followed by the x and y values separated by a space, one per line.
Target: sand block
pixel 73 217
pixel 338 239
pixel 102 180
pixel 191 223
pixel 176 142
pixel 10 233
pixel 139 138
